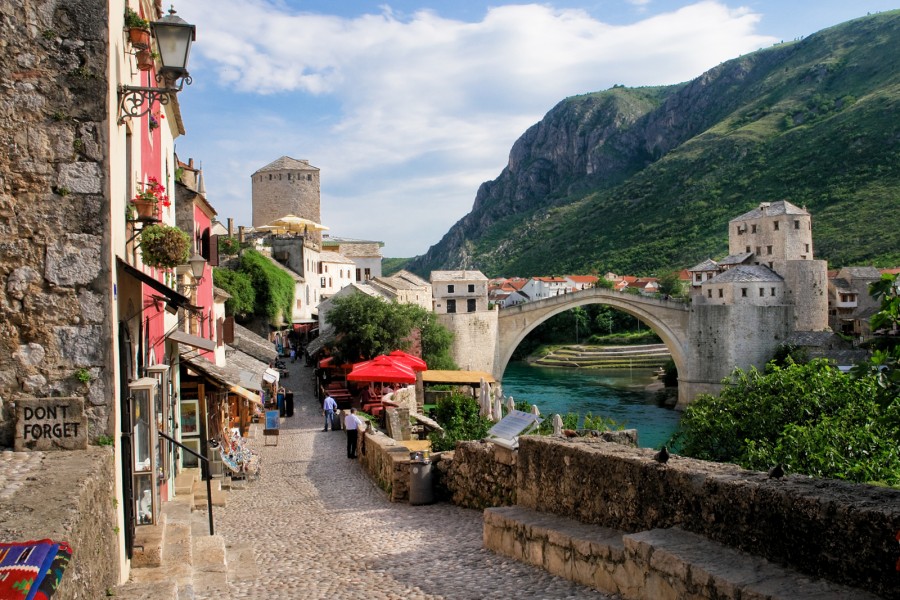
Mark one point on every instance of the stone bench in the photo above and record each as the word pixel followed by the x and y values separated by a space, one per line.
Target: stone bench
pixel 661 564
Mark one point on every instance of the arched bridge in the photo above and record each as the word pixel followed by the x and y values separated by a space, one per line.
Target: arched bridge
pixel 667 318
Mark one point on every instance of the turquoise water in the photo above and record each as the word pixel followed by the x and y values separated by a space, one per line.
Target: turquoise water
pixel 618 394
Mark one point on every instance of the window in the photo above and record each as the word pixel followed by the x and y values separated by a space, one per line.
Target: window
pixel 796 224
pixel 773 292
pixel 807 247
pixel 289 176
pixel 451 289
pixel 709 293
pixel 309 177
pixel 759 249
pixel 747 250
pixel 762 292
pixel 358 273
pixel 698 277
pixel 329 282
pixel 753 229
pixel 740 230
pixel 368 273
pixel 721 293
pixel 743 292
pixel 470 305
pixel 776 225
pixel 471 288
pixel 451 306
pixel 322 282
pixel 768 249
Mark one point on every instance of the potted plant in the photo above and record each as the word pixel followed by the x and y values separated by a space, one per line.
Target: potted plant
pixel 154 120
pixel 138 29
pixel 146 59
pixel 164 246
pixel 149 196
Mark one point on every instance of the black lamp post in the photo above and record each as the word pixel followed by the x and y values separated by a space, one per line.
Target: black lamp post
pixel 173 41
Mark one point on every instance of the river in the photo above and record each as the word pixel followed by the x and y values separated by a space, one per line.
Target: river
pixel 615 393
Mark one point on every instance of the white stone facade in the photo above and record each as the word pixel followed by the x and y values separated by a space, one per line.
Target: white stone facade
pixel 773 231
pixel 474 338
pixel 286 187
pixel 459 292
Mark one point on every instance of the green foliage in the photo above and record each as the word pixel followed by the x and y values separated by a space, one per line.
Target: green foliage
pixel 670 378
pixel 274 287
pixel 459 417
pixel 367 326
pixel 229 245
pixel 105 440
pixel 132 19
pixel 886 290
pixel 239 285
pixel 389 266
pixel 670 284
pixel 811 418
pixel 788 354
pixel 83 375
pixel 164 246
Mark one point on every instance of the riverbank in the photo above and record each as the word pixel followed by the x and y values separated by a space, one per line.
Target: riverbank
pixel 585 356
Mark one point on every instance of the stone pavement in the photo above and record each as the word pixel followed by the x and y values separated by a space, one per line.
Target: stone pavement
pixel 315 526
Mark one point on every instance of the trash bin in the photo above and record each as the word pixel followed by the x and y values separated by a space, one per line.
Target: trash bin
pixel 289 404
pixel 421 482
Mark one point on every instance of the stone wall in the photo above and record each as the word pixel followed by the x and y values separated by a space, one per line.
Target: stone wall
pixel 387 464
pixel 477 475
pixel 54 254
pixel 474 339
pixel 71 500
pixel 840 531
pixel 280 192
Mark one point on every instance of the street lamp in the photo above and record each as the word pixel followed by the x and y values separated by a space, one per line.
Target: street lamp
pixel 173 40
pixel 198 264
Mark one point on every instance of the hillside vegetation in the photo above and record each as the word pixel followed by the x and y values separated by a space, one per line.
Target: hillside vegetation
pixel 644 180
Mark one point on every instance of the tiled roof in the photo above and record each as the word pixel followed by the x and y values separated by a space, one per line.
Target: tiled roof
pixel 334 257
pixel 736 259
pixel 860 273
pixel 250 343
pixel 746 274
pixel 583 278
pixel 457 276
pixel 333 240
pixel 286 163
pixel 842 285
pixel 771 209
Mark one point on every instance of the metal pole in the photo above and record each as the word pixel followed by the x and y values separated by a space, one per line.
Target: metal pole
pixel 208 495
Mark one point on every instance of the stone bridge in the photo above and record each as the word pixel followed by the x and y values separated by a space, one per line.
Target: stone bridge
pixel 669 319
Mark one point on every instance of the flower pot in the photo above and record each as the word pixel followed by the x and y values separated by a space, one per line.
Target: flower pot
pixel 144 60
pixel 140 37
pixel 145 209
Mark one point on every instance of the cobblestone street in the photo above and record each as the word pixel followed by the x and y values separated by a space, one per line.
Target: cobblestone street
pixel 315 526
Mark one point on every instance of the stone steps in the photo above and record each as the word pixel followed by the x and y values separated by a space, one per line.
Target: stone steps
pixel 179 558
pixel 661 564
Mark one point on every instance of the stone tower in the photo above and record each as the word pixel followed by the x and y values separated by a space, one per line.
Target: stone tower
pixel 286 187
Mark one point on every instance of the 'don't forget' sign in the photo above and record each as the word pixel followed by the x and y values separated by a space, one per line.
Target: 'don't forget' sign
pixel 50 424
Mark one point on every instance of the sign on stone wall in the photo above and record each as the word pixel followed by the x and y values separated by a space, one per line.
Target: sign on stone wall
pixel 50 424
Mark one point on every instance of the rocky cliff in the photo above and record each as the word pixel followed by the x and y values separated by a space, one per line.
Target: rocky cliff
pixel 646 179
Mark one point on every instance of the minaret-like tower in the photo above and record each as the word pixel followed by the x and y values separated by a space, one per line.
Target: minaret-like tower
pixel 286 187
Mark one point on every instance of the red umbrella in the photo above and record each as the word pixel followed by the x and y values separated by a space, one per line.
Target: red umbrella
pixel 408 360
pixel 382 368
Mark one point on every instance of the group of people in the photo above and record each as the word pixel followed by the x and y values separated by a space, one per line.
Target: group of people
pixel 352 423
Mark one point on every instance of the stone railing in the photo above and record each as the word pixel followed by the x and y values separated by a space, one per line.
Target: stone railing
pixel 477 475
pixel 70 498
pixel 836 530
pixel 387 463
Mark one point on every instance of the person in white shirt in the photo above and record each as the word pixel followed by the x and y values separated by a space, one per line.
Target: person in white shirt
pixel 352 424
pixel 328 408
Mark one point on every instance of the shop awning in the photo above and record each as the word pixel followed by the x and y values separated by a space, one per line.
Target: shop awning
pixel 174 298
pixel 245 393
pixel 457 377
pixel 192 340
pixel 223 376
pixel 315 346
pixel 271 375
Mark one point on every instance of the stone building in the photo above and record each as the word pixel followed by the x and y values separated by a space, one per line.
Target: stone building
pixel 459 291
pixel 406 288
pixel 286 187
pixel 365 254
pixel 850 306
pixel 461 304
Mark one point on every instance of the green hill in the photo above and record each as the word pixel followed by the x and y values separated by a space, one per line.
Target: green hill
pixel 645 180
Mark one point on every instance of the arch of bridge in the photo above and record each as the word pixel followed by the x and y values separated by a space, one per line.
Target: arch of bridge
pixel 667 318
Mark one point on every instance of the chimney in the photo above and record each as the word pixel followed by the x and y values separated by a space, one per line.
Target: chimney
pixel 230 227
pixel 240 233
pixel 191 163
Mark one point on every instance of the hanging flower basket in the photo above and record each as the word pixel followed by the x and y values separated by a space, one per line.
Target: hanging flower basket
pixel 149 196
pixel 145 60
pixel 164 246
pixel 146 209
pixel 139 37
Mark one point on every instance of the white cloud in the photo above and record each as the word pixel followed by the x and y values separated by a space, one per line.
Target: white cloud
pixel 423 108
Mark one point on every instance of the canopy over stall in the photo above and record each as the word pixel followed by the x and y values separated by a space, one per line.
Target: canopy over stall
pixel 383 369
pixel 404 358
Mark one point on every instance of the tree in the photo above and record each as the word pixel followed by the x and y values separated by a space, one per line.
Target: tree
pixel 367 326
pixel 884 365
pixel 811 418
pixel 670 284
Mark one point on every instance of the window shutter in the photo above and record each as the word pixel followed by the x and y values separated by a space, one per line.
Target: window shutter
pixel 228 330
pixel 213 257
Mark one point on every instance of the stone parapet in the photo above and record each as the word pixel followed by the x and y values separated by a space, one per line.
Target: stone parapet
pixel 840 531
pixel 388 464
pixel 477 475
pixel 662 564
pixel 70 498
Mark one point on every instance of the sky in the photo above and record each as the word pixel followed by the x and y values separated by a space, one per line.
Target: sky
pixel 408 106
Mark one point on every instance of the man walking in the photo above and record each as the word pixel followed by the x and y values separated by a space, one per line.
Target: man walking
pixel 352 424
pixel 328 408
